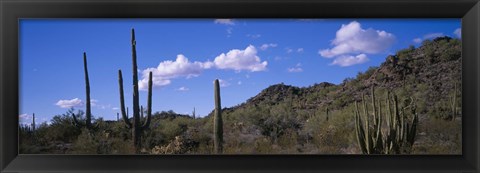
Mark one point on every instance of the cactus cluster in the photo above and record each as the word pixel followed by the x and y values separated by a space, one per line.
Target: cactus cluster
pixel 397 137
pixel 88 113
pixel 136 125
pixel 217 121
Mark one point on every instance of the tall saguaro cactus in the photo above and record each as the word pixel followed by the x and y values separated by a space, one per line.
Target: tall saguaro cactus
pixel 399 135
pixel 33 122
pixel 193 113
pixel 88 112
pixel 135 125
pixel 217 120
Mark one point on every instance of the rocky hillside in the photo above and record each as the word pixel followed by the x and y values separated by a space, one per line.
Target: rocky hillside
pixel 429 72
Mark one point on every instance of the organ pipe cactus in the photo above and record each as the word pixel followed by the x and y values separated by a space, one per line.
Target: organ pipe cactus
pixel 88 111
pixel 217 120
pixel 396 137
pixel 136 125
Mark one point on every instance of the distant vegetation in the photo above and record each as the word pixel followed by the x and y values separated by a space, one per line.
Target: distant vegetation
pixel 424 84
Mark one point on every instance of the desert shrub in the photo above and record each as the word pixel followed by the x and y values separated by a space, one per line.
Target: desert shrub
pixel 61 128
pixel 437 136
pixel 86 143
pixel 264 145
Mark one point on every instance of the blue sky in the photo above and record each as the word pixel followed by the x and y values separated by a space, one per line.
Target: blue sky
pixel 187 55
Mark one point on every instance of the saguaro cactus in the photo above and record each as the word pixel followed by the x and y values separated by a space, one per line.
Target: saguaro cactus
pixel 217 120
pixel 326 114
pixel 33 122
pixel 135 125
pixel 399 135
pixel 88 112
pixel 193 113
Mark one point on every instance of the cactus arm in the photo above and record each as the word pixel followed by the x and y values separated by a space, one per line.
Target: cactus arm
pixel 368 135
pixel 374 107
pixel 359 130
pixel 379 139
pixel 122 101
pixel 76 122
pixel 149 102
pixel 389 111
pixel 413 130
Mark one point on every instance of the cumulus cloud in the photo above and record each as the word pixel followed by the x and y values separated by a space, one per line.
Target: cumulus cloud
pixel 352 38
pixel 433 35
pixel 254 36
pixel 183 89
pixel 93 102
pixel 347 60
pixel 428 36
pixel 289 50
pixel 417 40
pixel 76 102
pixel 238 60
pixel 24 117
pixel 224 21
pixel 223 83
pixel 296 69
pixel 458 32
pixel 167 70
pixel 266 46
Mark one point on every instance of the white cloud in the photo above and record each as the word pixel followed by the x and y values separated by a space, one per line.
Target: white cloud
pixel 93 102
pixel 24 117
pixel 289 50
pixel 167 70
pixel 115 108
pixel 428 36
pixel 300 50
pixel 224 21
pixel 347 60
pixel 433 35
pixel 183 89
pixel 76 102
pixel 239 82
pixel 417 40
pixel 352 38
pixel 458 32
pixel 254 36
pixel 241 60
pixel 296 69
pixel 266 46
pixel 223 83
pixel 229 32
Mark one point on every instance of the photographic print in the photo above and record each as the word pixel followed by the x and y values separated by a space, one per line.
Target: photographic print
pixel 240 86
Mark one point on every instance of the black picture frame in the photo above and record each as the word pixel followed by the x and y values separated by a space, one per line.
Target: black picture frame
pixel 13 10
